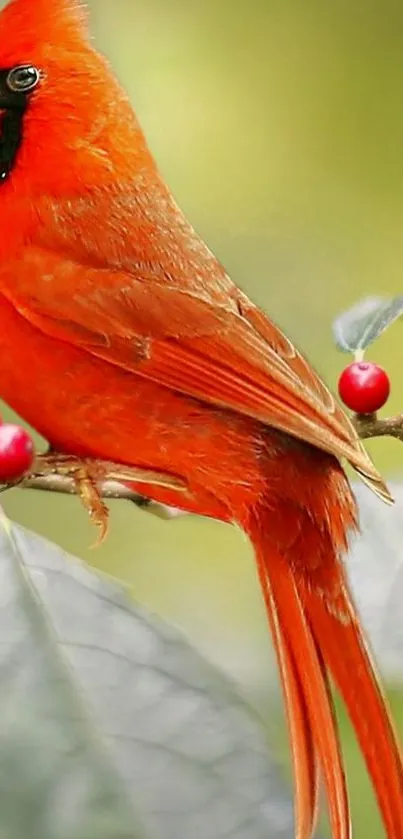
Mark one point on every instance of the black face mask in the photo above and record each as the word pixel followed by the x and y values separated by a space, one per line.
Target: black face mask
pixel 16 85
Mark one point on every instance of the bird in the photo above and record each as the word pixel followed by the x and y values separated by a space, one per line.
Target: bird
pixel 123 339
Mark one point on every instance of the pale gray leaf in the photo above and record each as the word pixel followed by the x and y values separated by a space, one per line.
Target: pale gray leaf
pixel 109 720
pixel 375 566
pixel 56 779
pixel 359 326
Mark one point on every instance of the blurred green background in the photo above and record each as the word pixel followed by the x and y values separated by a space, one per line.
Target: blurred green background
pixel 279 126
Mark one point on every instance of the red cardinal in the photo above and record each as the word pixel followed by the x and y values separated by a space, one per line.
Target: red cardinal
pixel 122 338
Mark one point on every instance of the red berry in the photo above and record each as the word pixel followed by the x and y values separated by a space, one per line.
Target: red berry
pixel 364 387
pixel 16 452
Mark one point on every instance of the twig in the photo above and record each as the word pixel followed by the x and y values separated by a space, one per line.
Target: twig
pixel 108 490
pixel 368 425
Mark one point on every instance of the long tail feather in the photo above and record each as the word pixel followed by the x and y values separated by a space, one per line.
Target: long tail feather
pixel 305 763
pixel 337 632
pixel 292 634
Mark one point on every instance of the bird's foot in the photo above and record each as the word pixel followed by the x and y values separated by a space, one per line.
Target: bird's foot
pixel 88 475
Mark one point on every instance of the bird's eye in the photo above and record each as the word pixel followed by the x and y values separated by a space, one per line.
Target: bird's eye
pixel 23 79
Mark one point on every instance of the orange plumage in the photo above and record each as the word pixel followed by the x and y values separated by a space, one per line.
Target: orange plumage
pixel 123 338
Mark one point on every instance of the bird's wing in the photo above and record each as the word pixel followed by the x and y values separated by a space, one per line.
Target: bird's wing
pixel 216 347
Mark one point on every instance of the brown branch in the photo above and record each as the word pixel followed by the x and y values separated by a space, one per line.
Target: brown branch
pixel 108 490
pixel 368 425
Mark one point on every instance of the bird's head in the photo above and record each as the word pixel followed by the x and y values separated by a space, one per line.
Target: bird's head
pixel 65 122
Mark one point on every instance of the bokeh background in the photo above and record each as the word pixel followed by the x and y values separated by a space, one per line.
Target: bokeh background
pixel 279 126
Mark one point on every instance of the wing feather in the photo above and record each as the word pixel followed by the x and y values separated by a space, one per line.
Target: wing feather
pixel 218 348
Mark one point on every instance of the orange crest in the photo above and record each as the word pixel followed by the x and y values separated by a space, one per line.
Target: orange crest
pixel 29 26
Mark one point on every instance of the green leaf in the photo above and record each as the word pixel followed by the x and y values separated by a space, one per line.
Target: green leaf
pixel 359 326
pixel 111 726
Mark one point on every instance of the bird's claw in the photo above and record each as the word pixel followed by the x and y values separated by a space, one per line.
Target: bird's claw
pixel 87 489
pixel 87 476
